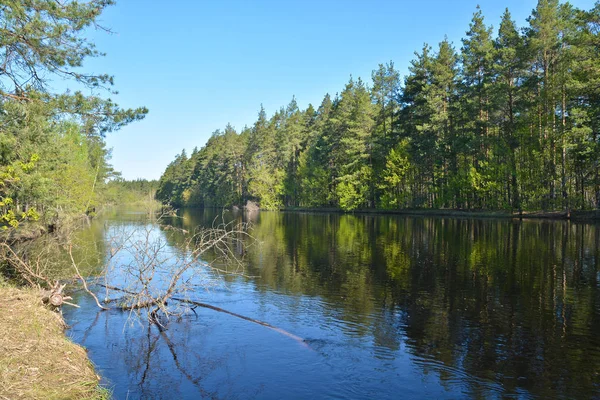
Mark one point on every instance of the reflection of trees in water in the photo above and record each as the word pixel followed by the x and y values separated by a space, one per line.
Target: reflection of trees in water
pixel 89 240
pixel 50 256
pixel 511 302
pixel 189 221
pixel 507 301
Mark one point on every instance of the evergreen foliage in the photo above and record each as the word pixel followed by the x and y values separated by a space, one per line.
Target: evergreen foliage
pixel 511 120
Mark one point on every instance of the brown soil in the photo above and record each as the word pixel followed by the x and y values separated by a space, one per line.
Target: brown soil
pixel 37 360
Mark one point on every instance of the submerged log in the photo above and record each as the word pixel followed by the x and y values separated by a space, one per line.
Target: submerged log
pixel 256 321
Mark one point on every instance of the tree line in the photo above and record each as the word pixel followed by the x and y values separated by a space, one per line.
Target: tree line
pixel 137 191
pixel 507 121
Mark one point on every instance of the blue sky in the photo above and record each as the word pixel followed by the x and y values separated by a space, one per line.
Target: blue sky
pixel 198 64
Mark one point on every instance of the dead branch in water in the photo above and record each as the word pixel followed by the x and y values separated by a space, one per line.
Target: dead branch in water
pixel 82 279
pixel 218 309
pixel 151 273
pixel 256 321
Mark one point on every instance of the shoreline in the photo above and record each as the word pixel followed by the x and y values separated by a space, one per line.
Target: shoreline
pixel 579 216
pixel 574 215
pixel 38 360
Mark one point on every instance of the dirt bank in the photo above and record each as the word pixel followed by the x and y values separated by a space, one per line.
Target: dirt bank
pixel 37 360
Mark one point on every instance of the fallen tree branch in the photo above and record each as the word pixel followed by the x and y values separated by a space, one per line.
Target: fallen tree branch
pixel 55 296
pixel 53 293
pixel 215 308
pixel 256 321
pixel 115 288
pixel 24 269
pixel 71 304
pixel 82 279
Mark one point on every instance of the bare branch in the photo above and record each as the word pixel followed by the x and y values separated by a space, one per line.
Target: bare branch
pixel 82 279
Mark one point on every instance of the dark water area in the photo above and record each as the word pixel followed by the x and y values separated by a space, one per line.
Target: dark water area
pixel 388 307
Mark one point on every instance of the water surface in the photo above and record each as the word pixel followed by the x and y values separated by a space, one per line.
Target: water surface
pixel 388 307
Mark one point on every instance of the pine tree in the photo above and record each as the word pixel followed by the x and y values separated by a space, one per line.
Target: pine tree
pixel 543 48
pixel 508 68
pixel 442 95
pixel 314 175
pixel 352 120
pixel 385 94
pixel 413 117
pixel 477 56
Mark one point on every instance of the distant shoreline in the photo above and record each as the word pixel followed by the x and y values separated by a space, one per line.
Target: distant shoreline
pixel 579 216
pixel 555 215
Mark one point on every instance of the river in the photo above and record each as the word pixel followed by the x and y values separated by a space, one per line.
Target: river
pixel 387 307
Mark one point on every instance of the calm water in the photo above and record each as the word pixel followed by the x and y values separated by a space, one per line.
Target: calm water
pixel 388 307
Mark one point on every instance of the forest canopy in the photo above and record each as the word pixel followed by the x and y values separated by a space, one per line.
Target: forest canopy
pixel 507 119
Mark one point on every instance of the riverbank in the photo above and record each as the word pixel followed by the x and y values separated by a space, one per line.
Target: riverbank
pixel 573 215
pixel 37 360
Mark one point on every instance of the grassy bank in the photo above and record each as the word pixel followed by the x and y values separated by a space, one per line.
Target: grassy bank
pixel 37 360
pixel 573 215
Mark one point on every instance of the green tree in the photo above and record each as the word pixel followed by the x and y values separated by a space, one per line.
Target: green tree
pixel 41 41
pixel 510 122
pixel 351 146
pixel 395 177
pixel 477 55
pixel 314 174
pixel 508 69
pixel 415 114
pixel 543 49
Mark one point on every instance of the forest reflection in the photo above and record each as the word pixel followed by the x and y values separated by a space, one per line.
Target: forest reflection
pixel 513 303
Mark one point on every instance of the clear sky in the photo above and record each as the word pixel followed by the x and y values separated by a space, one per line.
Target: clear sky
pixel 199 64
